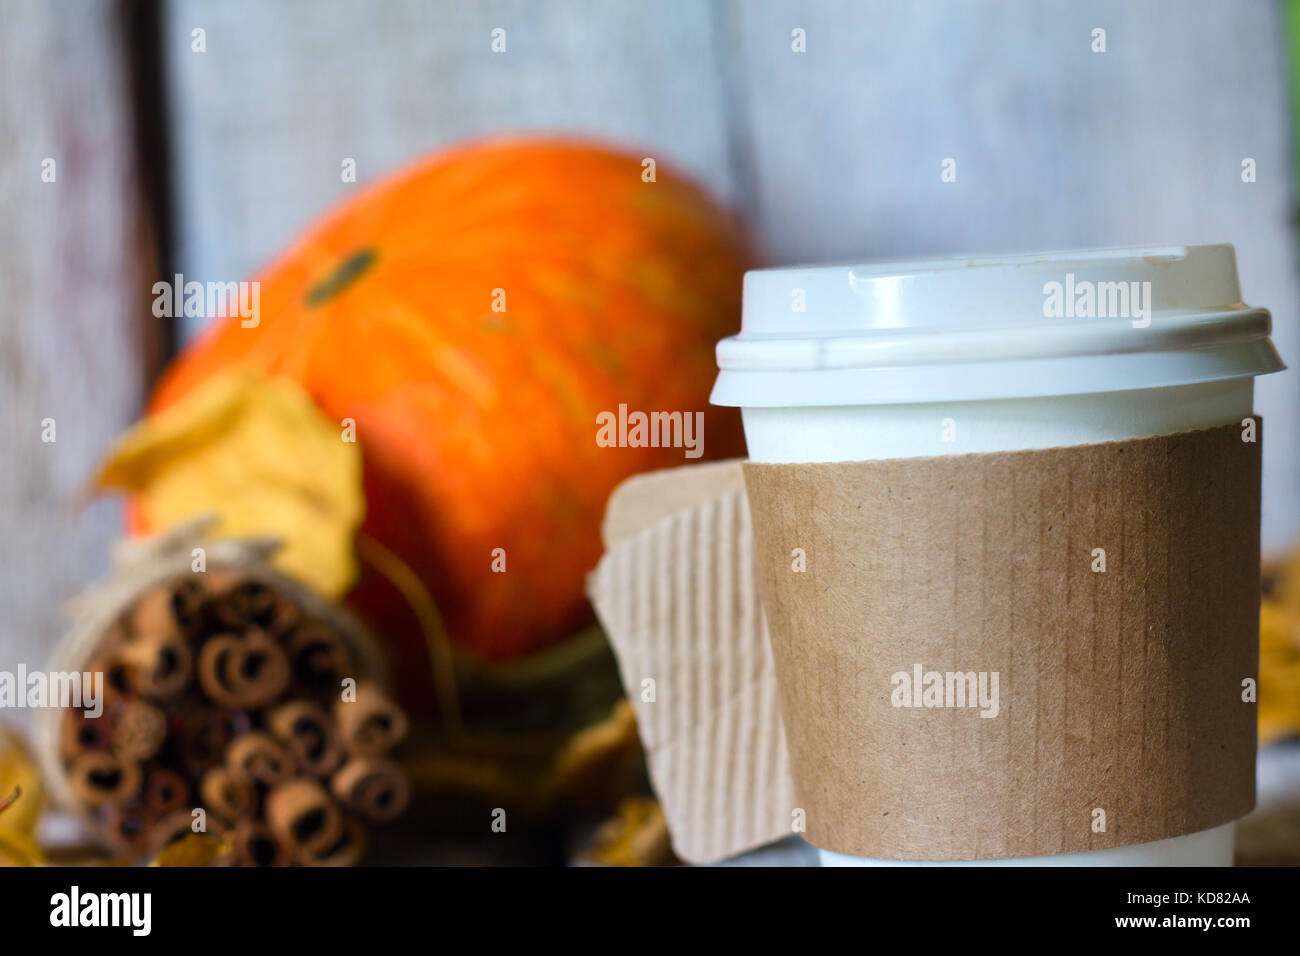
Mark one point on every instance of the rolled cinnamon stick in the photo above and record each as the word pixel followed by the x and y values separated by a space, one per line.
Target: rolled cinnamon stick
pixel 263 670
pixel 79 734
pixel 99 778
pixel 250 603
pixel 371 724
pixel 347 850
pixel 174 826
pixel 126 827
pixel 375 788
pixel 319 658
pixel 165 791
pixel 271 612
pixel 304 818
pixel 121 679
pixel 219 581
pixel 162 663
pixel 195 597
pixel 310 735
pixel 243 672
pixel 138 730
pixel 256 845
pixel 154 614
pixel 258 756
pixel 215 660
pixel 227 609
pixel 226 793
pixel 203 734
pixel 187 597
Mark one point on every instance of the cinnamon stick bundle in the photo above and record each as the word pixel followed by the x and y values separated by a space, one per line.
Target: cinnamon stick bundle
pixel 224 691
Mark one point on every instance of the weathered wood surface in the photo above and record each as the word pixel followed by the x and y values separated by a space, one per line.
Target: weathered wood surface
pixel 70 312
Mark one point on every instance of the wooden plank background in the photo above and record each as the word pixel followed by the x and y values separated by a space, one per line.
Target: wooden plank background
pixel 830 154
pixel 73 345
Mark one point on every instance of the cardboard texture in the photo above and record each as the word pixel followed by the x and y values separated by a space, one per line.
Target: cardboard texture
pixel 1119 691
pixel 677 592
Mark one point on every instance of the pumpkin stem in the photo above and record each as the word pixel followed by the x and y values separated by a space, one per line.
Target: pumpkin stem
pixel 347 272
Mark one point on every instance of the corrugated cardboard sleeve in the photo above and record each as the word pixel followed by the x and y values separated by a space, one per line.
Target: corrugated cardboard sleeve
pixel 1120 691
pixel 677 592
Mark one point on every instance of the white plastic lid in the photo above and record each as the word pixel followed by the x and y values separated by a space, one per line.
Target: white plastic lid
pixel 974 328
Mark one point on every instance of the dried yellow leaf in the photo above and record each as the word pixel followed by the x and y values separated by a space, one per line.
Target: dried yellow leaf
pixel 18 849
pixel 18 773
pixel 1279 672
pixel 193 849
pixel 637 835
pixel 22 801
pixel 261 456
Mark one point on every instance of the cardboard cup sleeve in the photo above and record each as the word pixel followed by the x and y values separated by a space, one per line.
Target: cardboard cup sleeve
pixel 1113 589
pixel 677 593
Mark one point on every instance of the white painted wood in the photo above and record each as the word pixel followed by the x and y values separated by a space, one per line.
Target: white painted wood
pixel 70 312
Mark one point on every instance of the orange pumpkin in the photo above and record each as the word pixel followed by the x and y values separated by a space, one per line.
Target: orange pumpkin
pixel 478 425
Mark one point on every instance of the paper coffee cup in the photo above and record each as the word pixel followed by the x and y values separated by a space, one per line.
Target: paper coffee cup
pixel 959 356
